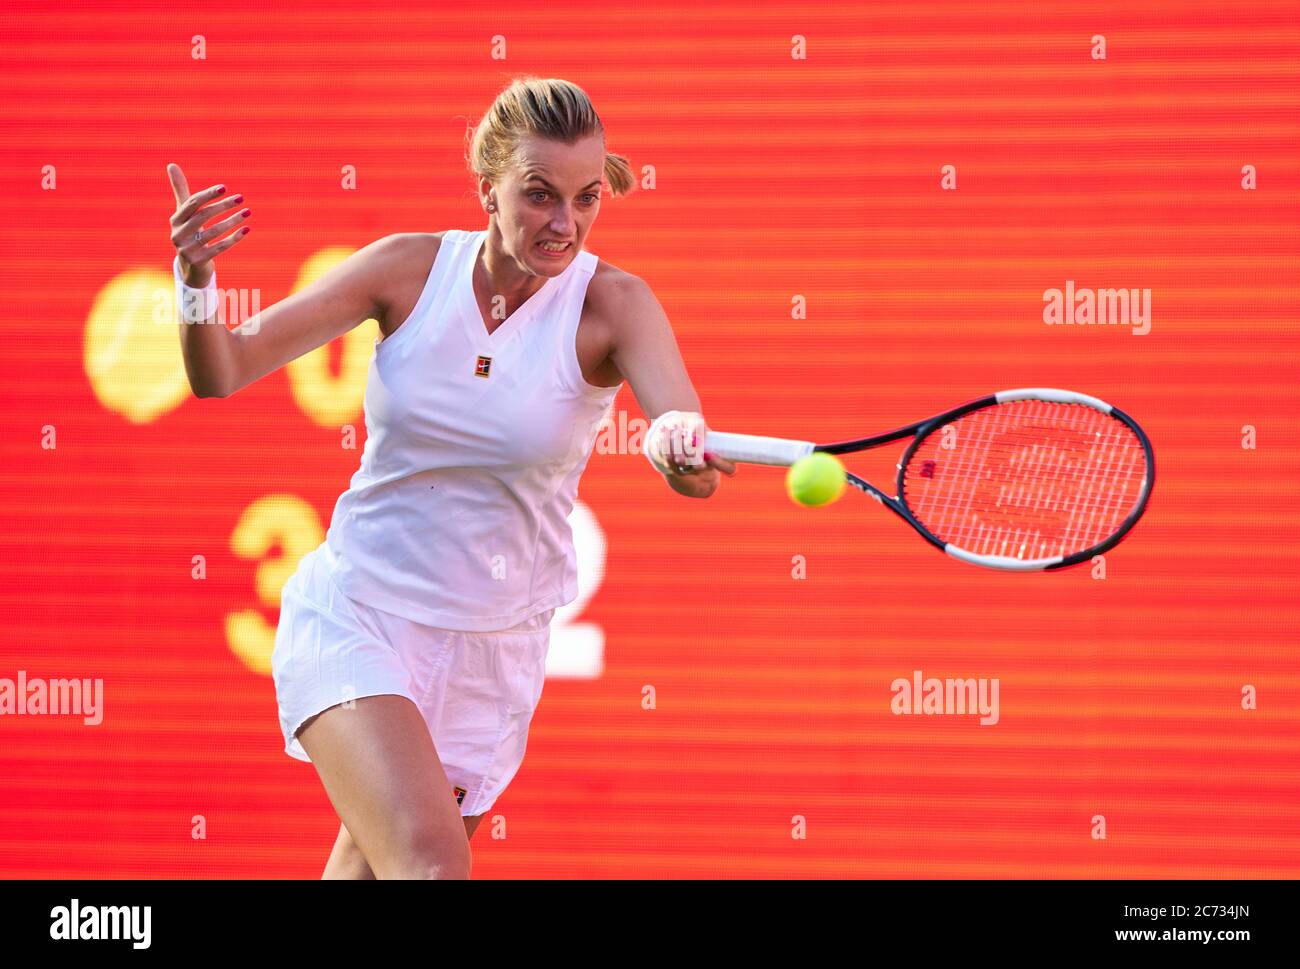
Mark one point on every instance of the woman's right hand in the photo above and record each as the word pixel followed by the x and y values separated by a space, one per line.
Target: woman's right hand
pixel 197 250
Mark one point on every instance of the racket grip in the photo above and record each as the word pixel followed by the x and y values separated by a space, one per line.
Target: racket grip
pixel 754 449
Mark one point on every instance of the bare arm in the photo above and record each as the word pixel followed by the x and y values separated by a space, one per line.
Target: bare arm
pixel 646 353
pixel 218 361
pixel 645 350
pixel 206 353
pixel 343 298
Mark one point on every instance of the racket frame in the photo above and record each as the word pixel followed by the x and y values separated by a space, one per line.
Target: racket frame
pixel 921 430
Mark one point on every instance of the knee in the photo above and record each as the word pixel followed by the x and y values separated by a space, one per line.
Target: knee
pixel 430 869
pixel 439 871
pixel 447 859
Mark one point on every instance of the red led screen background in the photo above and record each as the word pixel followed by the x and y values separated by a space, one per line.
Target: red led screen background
pixel 851 218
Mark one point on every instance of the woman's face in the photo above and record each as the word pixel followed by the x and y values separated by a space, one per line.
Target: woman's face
pixel 551 195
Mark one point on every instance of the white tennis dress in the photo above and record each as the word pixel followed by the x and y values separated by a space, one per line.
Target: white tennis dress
pixel 451 549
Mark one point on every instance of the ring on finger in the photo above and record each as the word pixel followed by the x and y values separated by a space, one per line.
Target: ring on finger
pixel 198 236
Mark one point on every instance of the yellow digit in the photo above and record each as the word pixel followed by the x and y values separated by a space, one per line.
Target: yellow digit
pixel 328 400
pixel 293 525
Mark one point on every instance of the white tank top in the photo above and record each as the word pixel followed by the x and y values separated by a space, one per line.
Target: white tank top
pixel 458 515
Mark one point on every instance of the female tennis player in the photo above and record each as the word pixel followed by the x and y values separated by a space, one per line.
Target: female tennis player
pixel 412 643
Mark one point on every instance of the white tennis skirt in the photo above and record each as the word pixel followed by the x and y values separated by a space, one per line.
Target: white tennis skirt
pixel 476 690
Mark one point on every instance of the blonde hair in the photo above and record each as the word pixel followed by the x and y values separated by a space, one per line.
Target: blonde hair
pixel 549 107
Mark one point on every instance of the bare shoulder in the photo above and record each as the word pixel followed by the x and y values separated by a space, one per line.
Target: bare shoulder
pixel 609 283
pixel 621 314
pixel 614 297
pixel 406 260
pixel 410 251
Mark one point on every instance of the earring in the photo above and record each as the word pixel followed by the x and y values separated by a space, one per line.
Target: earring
pixel 492 207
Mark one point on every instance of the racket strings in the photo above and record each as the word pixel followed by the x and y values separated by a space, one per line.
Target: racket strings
pixel 1026 479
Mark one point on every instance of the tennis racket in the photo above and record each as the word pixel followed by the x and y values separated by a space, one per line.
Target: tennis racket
pixel 1022 480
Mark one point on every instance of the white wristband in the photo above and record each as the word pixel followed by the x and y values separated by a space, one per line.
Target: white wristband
pixel 195 305
pixel 656 446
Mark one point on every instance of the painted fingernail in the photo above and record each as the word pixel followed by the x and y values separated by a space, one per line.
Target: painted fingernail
pixel 246 229
pixel 247 212
pixel 221 189
pixel 237 198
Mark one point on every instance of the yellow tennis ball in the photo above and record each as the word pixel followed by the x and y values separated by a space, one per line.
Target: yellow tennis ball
pixel 815 480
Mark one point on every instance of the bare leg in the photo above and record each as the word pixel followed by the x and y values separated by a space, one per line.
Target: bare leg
pixel 383 776
pixel 347 862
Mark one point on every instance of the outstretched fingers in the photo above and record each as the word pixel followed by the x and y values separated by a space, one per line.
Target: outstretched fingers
pixel 195 242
